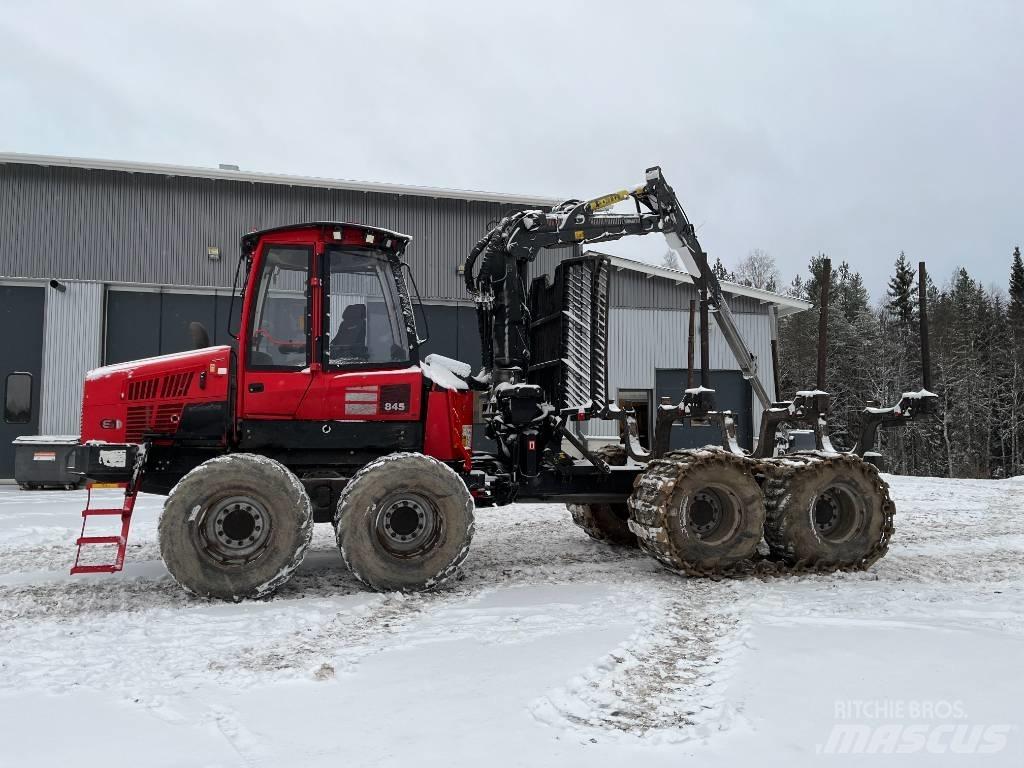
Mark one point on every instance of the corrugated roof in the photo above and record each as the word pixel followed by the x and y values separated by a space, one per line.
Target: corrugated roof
pixel 787 304
pixel 254 177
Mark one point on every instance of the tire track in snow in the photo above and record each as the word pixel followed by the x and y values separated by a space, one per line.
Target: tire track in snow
pixel 666 683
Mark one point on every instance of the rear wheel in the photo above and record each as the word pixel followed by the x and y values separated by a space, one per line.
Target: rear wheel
pixel 235 527
pixel 606 522
pixel 829 512
pixel 404 522
pixel 698 512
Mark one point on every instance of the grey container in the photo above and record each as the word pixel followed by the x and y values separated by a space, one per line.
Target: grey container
pixel 46 461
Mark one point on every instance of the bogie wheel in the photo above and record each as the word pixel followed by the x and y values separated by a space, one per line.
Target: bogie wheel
pixel 235 527
pixel 404 522
pixel 606 522
pixel 828 512
pixel 698 512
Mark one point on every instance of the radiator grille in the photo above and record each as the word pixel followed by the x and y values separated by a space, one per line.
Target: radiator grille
pixel 143 389
pixel 159 419
pixel 176 384
pixel 173 385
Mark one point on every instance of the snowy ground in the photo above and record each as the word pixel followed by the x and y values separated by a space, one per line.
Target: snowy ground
pixel 552 649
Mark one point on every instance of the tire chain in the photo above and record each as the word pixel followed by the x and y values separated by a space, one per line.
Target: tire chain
pixel 582 515
pixel 653 489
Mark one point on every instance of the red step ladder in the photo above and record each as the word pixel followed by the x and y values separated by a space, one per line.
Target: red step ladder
pixel 121 540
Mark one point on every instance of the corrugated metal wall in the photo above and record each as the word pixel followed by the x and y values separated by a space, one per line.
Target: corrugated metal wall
pixel 73 340
pixel 637 289
pixel 144 228
pixel 643 340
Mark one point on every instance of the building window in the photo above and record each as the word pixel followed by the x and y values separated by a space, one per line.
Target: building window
pixel 18 398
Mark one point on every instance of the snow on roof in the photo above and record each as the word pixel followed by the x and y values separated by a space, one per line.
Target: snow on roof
pixel 231 173
pixel 787 305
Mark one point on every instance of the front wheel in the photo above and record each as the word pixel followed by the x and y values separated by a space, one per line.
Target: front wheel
pixel 235 527
pixel 404 522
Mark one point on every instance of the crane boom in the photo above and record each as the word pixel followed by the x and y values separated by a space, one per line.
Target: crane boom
pixel 499 286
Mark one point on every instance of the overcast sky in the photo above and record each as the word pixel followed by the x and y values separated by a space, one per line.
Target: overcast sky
pixel 857 128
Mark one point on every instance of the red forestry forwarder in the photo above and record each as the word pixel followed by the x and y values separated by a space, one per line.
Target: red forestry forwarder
pixel 327 414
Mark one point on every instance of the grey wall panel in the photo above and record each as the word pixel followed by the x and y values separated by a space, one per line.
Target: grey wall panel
pixel 453 333
pixel 635 289
pixel 132 326
pixel 443 324
pixel 469 337
pixel 73 336
pixel 122 227
pixel 177 312
pixel 228 316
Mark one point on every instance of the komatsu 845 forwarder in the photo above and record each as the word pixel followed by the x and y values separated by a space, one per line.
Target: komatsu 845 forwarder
pixel 327 413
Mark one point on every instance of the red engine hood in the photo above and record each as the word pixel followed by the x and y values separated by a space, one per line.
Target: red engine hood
pixel 196 358
pixel 140 393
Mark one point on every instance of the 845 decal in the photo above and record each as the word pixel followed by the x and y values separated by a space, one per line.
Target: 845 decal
pixel 394 399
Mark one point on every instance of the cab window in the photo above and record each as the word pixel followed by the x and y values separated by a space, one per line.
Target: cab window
pixel 364 319
pixel 280 333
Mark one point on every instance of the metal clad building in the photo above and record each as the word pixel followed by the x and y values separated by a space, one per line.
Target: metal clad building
pixel 137 251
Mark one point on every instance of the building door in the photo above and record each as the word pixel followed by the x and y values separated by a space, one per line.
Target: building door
pixel 150 323
pixel 638 400
pixel 22 312
pixel 732 392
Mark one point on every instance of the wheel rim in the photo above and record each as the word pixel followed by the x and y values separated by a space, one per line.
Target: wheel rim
pixel 235 530
pixel 837 514
pixel 407 525
pixel 713 515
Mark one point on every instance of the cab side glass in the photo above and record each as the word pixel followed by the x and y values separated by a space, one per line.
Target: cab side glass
pixel 18 398
pixel 280 333
pixel 364 317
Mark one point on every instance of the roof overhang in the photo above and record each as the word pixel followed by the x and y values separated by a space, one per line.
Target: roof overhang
pixel 786 305
pixel 160 169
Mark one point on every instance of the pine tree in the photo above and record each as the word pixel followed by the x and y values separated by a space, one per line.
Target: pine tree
pixel 1015 402
pixel 902 291
pixel 796 288
pixel 720 271
pixel 1015 310
pixel 977 366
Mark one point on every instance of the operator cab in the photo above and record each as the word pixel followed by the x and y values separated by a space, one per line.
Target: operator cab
pixel 361 316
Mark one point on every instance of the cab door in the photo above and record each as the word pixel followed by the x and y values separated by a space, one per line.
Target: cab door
pixel 276 376
pixel 368 369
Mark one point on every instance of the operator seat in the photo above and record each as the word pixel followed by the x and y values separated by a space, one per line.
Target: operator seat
pixel 350 340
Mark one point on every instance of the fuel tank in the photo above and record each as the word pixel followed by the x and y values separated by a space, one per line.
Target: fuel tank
pixel 173 396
